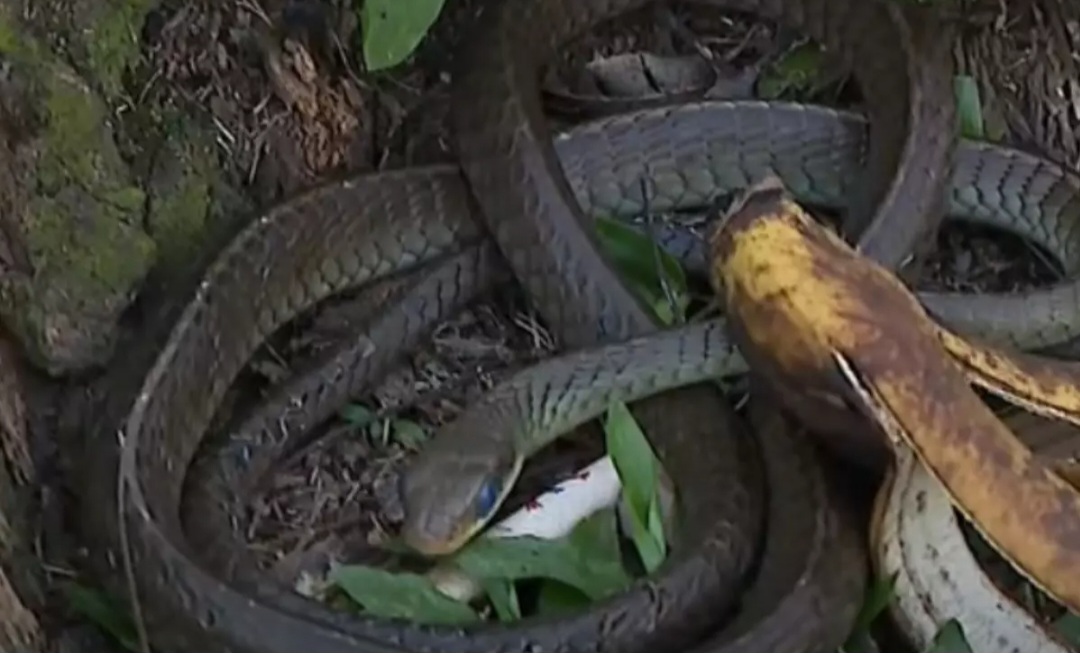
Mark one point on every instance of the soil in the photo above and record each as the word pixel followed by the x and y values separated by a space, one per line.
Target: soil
pixel 277 100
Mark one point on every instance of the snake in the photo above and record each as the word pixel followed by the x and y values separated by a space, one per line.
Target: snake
pixel 385 235
pixel 353 232
pixel 916 535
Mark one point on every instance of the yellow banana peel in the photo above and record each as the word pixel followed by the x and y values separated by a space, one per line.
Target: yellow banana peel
pixel 1056 442
pixel 1045 386
pixel 835 329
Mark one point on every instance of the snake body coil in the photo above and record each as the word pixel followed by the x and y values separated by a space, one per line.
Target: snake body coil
pixel 351 233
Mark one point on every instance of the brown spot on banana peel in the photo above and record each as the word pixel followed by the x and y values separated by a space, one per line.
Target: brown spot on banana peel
pixel 1046 386
pixel 792 305
pixel 1054 441
pixel 1027 512
pixel 796 295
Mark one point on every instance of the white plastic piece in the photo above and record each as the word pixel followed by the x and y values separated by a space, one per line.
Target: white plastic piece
pixel 916 535
pixel 557 511
pixel 549 516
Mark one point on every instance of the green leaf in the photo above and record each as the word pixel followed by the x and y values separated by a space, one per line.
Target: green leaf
pixel 638 470
pixel 393 28
pixel 1069 627
pixel 950 639
pixel 878 596
pixel 797 71
pixel 358 415
pixel 100 610
pixel 656 533
pixel 503 597
pixel 408 433
pixel 587 559
pixel 632 456
pixel 637 256
pixel 969 107
pixel 556 597
pixel 649 549
pixel 400 595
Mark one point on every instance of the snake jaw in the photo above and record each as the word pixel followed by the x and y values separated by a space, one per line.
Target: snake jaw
pixel 442 533
pixel 432 547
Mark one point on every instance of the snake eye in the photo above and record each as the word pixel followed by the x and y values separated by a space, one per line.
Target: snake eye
pixel 488 496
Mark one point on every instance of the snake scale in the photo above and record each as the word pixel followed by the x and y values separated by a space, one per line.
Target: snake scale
pixel 889 173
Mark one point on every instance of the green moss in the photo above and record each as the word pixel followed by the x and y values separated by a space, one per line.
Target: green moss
pixel 9 37
pixel 178 217
pixel 73 121
pixel 82 232
pixel 79 151
pixel 191 205
pixel 82 244
pixel 112 42
pixel 14 43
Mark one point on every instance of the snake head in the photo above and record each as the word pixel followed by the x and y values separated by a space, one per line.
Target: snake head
pixel 450 493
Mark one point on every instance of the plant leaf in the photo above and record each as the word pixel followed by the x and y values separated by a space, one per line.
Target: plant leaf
pixel 636 256
pixel 400 595
pixel 655 529
pixel 408 433
pixel 587 558
pixel 950 639
pixel 504 598
pixel 393 28
pixel 1069 627
pixel 969 107
pixel 878 596
pixel 556 597
pixel 797 71
pixel 99 609
pixel 638 470
pixel 357 415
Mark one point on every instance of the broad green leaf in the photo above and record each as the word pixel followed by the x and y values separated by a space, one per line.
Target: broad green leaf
pixel 638 472
pixel 969 107
pixel 632 456
pixel 587 558
pixel 950 639
pixel 358 415
pixel 1069 627
pixel 408 433
pixel 503 597
pixel 393 28
pixel 878 596
pixel 556 597
pixel 400 595
pixel 647 267
pixel 103 612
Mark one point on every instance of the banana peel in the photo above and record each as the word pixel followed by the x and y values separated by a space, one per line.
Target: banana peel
pixel 840 333
pixel 1045 386
pixel 1055 441
pixel 916 539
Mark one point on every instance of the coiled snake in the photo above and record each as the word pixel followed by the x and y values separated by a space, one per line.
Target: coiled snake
pixel 528 220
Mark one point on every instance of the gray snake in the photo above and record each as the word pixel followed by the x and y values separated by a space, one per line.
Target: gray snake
pixel 348 234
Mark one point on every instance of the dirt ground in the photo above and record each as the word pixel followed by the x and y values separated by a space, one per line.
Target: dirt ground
pixel 243 104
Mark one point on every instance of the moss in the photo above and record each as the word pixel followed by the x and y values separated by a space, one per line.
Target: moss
pixel 83 251
pixel 182 191
pixel 112 41
pixel 82 231
pixel 194 206
pixel 15 44
pixel 9 37
pixel 79 151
